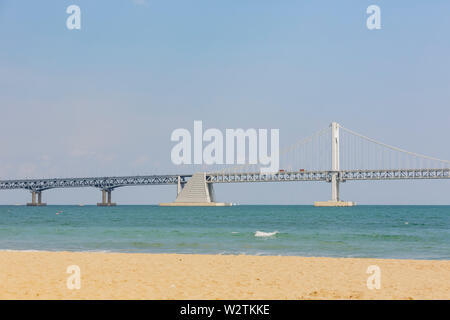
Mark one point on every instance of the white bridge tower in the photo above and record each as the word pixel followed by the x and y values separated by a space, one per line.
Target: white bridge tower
pixel 335 200
pixel 335 161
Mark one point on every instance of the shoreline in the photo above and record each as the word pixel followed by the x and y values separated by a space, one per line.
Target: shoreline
pixel 105 275
pixel 219 254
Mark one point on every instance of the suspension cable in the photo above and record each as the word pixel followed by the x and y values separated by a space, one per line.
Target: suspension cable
pixel 394 148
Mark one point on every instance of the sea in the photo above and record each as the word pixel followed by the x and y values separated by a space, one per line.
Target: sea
pixel 400 232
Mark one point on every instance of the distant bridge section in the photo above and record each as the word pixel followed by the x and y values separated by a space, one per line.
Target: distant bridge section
pixel 97 182
pixel 320 156
pixel 106 184
pixel 394 174
pixel 342 176
pixel 260 177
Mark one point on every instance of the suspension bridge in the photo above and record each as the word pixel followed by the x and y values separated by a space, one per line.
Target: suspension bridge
pixel 334 155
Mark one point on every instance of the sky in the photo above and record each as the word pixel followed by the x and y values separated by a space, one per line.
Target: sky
pixel 104 100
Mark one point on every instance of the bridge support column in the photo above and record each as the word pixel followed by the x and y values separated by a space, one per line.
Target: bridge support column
pixel 109 197
pixel 35 203
pixel 105 203
pixel 335 200
pixel 334 188
pixel 180 185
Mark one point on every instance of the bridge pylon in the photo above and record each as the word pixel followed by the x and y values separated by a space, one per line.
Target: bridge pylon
pixel 106 193
pixel 335 156
pixel 35 203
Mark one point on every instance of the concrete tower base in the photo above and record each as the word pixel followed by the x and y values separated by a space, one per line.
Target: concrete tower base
pixel 334 204
pixel 196 193
pixel 195 204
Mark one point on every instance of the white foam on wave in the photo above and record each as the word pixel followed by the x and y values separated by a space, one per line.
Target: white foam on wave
pixel 265 234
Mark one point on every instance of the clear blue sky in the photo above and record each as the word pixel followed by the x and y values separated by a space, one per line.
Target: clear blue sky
pixel 104 100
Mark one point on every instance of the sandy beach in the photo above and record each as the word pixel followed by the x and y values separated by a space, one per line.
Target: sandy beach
pixel 43 275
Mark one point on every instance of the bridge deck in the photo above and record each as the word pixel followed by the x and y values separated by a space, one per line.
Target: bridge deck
pixel 114 182
pixel 97 182
pixel 343 175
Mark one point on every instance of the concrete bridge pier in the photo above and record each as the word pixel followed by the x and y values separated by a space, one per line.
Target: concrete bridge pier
pixel 335 187
pixel 180 186
pixel 35 203
pixel 106 203
pixel 196 193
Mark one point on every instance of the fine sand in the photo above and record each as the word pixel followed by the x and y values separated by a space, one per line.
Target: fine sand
pixel 43 275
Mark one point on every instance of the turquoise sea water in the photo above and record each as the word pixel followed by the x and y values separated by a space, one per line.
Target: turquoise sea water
pixel 410 232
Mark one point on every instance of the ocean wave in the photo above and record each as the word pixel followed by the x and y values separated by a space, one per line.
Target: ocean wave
pixel 265 234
